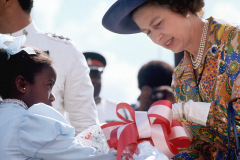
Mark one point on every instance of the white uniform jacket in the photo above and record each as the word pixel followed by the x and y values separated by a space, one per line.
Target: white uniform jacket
pixel 73 89
pixel 107 111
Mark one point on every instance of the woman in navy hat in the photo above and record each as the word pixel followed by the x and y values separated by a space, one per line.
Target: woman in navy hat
pixel 206 81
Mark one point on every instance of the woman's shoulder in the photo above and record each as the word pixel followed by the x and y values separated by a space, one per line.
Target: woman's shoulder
pixel 222 31
pixel 216 22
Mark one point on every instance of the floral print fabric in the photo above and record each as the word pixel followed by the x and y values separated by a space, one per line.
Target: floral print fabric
pixel 217 82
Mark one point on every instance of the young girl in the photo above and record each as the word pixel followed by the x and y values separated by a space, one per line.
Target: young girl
pixel 30 128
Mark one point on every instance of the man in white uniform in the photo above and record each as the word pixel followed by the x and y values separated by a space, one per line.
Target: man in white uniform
pixel 73 89
pixel 106 108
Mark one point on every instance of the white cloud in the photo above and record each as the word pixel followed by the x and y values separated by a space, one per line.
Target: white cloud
pixel 225 10
pixel 45 12
pixel 166 55
pixel 119 80
pixel 87 30
pixel 98 35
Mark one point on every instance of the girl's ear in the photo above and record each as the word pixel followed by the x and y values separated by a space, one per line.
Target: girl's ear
pixel 7 3
pixel 21 84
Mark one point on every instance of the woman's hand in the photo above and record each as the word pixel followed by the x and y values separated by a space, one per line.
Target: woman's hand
pixel 196 112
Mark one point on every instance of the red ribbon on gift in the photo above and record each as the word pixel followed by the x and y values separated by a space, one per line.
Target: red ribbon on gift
pixel 155 125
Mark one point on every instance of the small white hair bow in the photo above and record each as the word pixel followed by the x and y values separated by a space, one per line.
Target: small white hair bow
pixel 13 45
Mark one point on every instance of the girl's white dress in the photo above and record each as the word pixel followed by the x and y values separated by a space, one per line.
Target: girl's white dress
pixel 39 132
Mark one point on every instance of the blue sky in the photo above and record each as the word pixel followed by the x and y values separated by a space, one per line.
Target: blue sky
pixel 80 20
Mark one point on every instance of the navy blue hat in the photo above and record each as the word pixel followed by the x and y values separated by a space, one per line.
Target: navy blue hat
pixel 95 61
pixel 118 18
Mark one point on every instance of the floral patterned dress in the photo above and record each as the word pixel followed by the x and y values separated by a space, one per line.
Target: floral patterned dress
pixel 218 83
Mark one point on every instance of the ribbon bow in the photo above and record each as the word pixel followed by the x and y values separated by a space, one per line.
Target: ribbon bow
pixel 155 125
pixel 13 45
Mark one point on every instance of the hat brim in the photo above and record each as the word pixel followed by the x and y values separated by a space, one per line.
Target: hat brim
pixel 118 18
pixel 96 68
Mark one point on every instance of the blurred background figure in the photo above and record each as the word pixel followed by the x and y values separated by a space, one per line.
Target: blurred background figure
pixel 106 108
pixel 154 82
pixel 69 63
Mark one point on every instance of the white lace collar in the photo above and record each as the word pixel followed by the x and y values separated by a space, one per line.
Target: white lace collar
pixel 15 101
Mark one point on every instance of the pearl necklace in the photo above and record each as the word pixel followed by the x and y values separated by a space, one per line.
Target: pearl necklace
pixel 201 48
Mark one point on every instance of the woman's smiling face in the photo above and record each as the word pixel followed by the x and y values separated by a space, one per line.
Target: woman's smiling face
pixel 164 27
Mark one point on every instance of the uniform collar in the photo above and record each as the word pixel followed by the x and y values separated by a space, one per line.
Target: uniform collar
pixel 31 28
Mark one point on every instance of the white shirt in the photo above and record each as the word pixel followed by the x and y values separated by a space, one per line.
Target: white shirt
pixel 73 89
pixel 39 133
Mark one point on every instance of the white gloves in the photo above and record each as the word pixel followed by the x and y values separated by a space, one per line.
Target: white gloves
pixel 196 112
